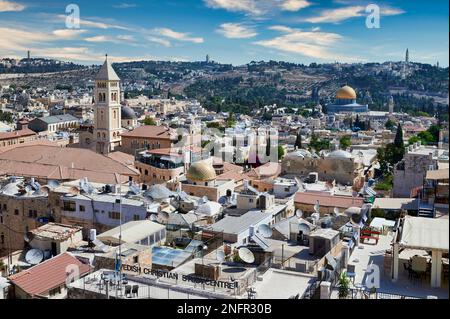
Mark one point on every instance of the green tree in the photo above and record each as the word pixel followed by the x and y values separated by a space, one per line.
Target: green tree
pixel 318 144
pixel 345 142
pixel 231 120
pixel 149 121
pixel 281 152
pixel 390 124
pixel 298 141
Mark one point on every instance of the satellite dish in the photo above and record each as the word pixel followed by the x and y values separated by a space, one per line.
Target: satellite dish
pixel 299 213
pixel 34 256
pixel 315 216
pixel 336 211
pixel 153 217
pixel 246 255
pixel 304 228
pixel 221 255
pixel 134 189
pixel 86 187
pixel 44 190
pixel 163 216
pixel 317 207
pixel 265 231
pixel 53 184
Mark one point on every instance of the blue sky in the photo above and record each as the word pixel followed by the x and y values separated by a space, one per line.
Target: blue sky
pixel 230 31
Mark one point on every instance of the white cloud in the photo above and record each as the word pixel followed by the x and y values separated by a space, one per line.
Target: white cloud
pixel 236 31
pixel 247 6
pixel 160 41
pixel 386 11
pixel 294 5
pixel 257 7
pixel 180 36
pixel 6 6
pixel 314 44
pixel 98 24
pixel 114 39
pixel 67 34
pixel 16 39
pixel 341 14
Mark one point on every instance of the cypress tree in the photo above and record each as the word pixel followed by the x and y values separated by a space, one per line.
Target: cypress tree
pixel 398 141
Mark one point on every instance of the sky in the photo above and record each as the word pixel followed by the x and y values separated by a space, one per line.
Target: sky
pixel 230 31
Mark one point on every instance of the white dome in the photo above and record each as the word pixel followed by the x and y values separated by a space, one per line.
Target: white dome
pixel 340 154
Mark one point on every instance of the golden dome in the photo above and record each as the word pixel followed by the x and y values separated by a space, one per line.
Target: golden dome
pixel 346 93
pixel 201 172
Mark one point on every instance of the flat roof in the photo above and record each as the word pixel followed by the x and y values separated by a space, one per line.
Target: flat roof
pixel 236 225
pixel 396 203
pixel 425 233
pixel 56 231
pixel 132 231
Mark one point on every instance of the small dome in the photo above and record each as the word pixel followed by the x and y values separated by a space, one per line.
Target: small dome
pixel 346 93
pixel 127 113
pixel 201 172
pixel 340 154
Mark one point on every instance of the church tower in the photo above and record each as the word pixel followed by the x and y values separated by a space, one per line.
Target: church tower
pixel 107 116
pixel 407 56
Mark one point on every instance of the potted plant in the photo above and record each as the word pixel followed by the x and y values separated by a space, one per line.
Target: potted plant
pixel 344 285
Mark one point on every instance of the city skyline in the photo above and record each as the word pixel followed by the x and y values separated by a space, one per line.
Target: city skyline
pixel 236 31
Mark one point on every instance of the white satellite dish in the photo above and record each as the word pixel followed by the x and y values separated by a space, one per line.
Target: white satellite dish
pixel 265 231
pixel 246 255
pixel 153 217
pixel 315 216
pixel 304 228
pixel 134 189
pixel 34 256
pixel 53 184
pixel 336 211
pixel 299 213
pixel 317 207
pixel 221 255
pixel 86 186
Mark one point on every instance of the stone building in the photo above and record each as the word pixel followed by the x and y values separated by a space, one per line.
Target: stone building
pixel 411 171
pixel 24 206
pixel 339 166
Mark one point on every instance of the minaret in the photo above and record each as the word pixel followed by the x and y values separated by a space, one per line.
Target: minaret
pixel 391 105
pixel 407 56
pixel 107 122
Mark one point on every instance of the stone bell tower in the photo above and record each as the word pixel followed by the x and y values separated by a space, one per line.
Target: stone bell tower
pixel 107 116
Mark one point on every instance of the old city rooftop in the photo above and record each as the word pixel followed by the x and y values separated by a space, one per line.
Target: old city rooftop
pixel 52 162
